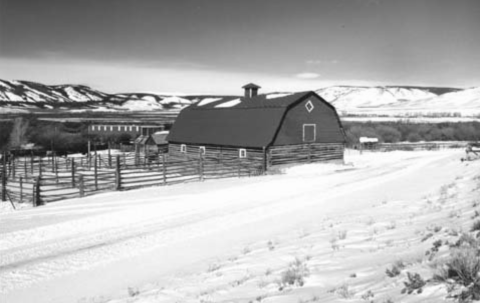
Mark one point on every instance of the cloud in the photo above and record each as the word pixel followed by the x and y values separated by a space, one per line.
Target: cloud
pixel 307 75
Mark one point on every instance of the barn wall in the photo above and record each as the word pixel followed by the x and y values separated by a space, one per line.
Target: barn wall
pixel 217 152
pixel 305 153
pixel 328 127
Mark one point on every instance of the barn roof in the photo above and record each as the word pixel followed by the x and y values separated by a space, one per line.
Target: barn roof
pixel 234 121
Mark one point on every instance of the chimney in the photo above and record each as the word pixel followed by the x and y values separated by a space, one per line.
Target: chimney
pixel 251 90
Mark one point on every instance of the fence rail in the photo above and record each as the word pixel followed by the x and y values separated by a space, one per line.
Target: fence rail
pixel 40 180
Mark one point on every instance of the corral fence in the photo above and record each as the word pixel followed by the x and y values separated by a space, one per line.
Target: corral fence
pixel 407 146
pixel 40 180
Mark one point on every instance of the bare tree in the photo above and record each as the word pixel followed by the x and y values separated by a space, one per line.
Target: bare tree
pixel 18 134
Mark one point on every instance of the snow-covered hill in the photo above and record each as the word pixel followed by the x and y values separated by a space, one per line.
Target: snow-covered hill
pixel 25 91
pixel 25 94
pixel 403 101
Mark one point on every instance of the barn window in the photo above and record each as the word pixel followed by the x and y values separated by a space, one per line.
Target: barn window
pixel 309 106
pixel 309 132
pixel 242 153
pixel 183 148
pixel 202 150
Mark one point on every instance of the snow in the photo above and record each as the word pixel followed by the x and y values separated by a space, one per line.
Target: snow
pixel 230 103
pixel 175 99
pixel 217 240
pixel 74 95
pixel 206 101
pixel 274 96
pixel 141 105
pixel 149 98
pixel 4 84
pixel 13 97
pixel 401 101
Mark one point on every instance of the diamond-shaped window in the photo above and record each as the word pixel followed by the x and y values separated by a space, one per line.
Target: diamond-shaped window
pixel 309 106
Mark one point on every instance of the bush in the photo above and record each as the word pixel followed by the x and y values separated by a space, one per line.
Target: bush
pixel 295 274
pixel 415 283
pixel 476 225
pixel 464 265
pixel 461 273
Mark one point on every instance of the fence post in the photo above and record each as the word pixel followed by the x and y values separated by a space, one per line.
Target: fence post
pixel 309 153
pixel 40 166
pixel 55 166
pixel 200 165
pixel 264 164
pixel 72 165
pixel 25 166
pixel 38 200
pixel 109 156
pixel 13 166
pixel 164 167
pixel 21 188
pixel 31 162
pixel 118 175
pixel 95 169
pixel 4 177
pixel 34 199
pixel 81 186
pixel 239 167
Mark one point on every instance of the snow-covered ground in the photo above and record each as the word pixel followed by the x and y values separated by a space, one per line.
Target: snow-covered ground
pixel 232 240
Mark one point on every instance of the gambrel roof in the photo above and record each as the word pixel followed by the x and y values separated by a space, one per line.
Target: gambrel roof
pixel 235 121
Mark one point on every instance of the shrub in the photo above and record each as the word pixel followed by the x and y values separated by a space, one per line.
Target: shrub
pixel 476 225
pixel 461 273
pixel 295 274
pixel 466 240
pixel 415 283
pixel 343 291
pixel 396 269
pixel 464 265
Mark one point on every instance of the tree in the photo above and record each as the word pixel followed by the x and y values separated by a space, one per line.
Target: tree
pixel 18 133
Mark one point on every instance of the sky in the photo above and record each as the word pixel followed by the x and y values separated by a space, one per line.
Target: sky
pixel 217 46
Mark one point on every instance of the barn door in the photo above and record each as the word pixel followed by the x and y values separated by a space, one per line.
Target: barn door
pixel 309 132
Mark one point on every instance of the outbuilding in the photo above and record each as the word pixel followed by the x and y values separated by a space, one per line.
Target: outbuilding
pixel 277 128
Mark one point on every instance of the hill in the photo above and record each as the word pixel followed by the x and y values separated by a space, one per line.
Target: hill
pixel 397 101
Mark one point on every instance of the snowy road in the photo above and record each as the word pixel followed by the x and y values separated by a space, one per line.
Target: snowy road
pixel 101 245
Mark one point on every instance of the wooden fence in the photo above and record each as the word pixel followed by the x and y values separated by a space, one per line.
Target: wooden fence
pixel 40 180
pixel 417 146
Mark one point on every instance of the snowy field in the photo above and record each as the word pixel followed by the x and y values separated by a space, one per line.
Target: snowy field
pixel 233 240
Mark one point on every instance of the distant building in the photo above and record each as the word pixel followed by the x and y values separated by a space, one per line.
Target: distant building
pixel 273 128
pixel 146 142
pixel 132 129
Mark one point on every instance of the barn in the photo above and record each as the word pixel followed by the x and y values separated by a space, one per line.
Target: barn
pixel 273 128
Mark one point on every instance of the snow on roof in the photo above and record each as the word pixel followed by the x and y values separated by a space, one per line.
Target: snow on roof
pixel 206 101
pixel 279 95
pixel 231 103
pixel 162 132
